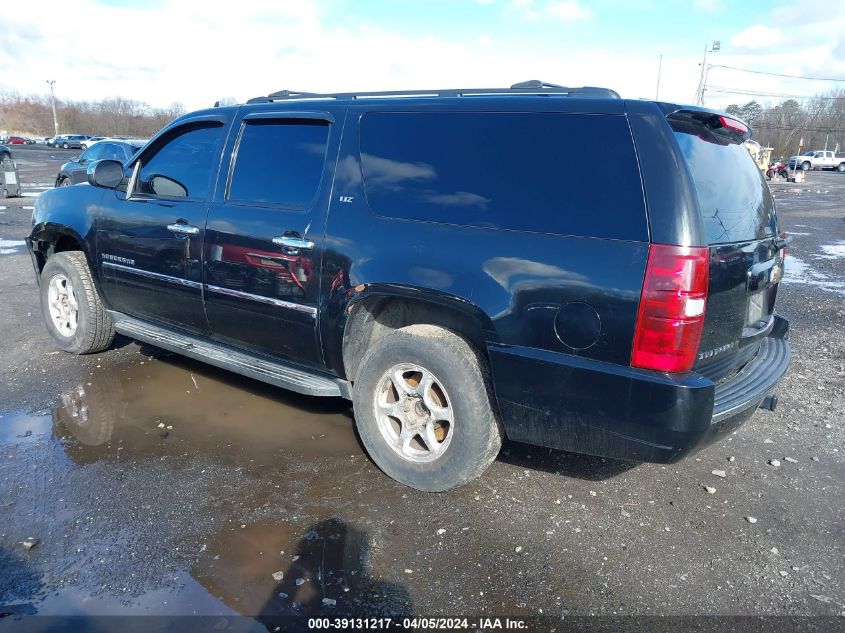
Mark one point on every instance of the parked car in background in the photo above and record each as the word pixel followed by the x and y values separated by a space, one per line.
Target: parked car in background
pixel 19 140
pixel 817 159
pixel 74 171
pixel 5 153
pixel 72 141
pixel 88 142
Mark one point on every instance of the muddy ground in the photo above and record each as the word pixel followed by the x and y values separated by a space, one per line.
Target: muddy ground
pixel 154 484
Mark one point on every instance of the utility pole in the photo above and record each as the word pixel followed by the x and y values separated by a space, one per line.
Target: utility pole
pixel 702 78
pixel 53 103
pixel 659 68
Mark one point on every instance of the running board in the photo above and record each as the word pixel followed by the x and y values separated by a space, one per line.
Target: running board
pixel 225 357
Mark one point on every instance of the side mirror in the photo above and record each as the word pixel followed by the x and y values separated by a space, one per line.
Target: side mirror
pixel 107 174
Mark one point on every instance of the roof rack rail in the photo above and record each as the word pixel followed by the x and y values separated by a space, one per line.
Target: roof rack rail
pixel 531 87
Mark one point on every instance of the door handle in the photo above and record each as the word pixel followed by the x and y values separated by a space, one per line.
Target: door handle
pixel 184 229
pixel 293 242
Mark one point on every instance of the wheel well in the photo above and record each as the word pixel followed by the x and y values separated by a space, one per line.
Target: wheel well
pixel 374 317
pixel 56 244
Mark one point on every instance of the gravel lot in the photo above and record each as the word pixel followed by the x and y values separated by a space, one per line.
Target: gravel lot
pixel 154 484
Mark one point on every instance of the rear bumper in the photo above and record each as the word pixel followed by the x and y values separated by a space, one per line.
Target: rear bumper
pixel 585 406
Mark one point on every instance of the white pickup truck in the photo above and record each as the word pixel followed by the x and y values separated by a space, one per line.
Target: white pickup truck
pixel 817 160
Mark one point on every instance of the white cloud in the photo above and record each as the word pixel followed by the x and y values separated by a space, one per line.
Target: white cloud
pixel 567 10
pixel 757 37
pixel 177 52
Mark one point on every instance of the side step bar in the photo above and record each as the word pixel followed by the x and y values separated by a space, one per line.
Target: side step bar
pixel 265 370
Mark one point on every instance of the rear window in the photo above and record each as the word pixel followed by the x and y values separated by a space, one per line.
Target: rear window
pixel 734 199
pixel 570 174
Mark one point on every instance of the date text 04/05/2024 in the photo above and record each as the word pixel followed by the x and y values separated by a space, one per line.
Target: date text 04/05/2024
pixel 418 623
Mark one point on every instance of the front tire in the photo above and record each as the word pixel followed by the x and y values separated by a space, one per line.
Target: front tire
pixel 805 166
pixel 66 146
pixel 65 182
pixel 72 309
pixel 423 409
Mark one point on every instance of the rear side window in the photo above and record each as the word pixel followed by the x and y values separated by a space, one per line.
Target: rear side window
pixel 111 151
pixel 279 162
pixel 735 202
pixel 569 174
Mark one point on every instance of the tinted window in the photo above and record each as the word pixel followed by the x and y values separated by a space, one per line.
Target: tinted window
pixel 734 199
pixel 186 160
pixel 542 172
pixel 92 153
pixel 279 162
pixel 111 151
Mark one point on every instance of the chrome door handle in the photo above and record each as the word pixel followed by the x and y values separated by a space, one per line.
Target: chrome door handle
pixel 184 229
pixel 294 242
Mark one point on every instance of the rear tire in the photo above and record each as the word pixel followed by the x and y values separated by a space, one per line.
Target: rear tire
pixel 66 146
pixel 72 308
pixel 438 431
pixel 840 167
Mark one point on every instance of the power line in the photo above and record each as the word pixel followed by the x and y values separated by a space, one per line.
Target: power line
pixel 761 93
pixel 763 72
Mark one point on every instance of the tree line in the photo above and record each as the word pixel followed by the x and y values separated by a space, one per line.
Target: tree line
pixel 32 115
pixel 819 121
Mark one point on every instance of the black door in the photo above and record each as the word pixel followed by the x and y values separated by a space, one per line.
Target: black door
pixel 262 248
pixel 150 242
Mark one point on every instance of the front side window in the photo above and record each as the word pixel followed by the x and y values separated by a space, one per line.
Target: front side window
pixel 279 162
pixel 182 166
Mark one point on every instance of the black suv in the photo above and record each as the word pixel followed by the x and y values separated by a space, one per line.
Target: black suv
pixel 448 260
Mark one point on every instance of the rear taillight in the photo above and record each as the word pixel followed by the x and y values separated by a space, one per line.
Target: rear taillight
pixel 671 314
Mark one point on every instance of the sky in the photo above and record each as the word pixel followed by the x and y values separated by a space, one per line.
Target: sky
pixel 165 51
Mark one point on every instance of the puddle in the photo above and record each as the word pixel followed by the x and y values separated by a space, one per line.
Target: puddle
pixel 276 569
pixel 165 487
pixel 10 247
pixel 21 428
pixel 178 402
pixel 800 272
